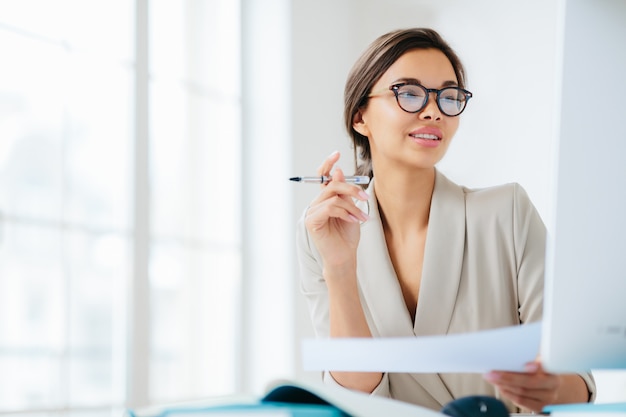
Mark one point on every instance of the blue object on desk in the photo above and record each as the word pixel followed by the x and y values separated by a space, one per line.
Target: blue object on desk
pixel 266 409
pixel 262 409
pixel 586 408
pixel 282 401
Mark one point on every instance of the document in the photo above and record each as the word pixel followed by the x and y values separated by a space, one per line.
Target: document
pixel 505 349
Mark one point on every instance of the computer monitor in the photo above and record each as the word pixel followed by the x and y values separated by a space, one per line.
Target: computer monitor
pixel 585 297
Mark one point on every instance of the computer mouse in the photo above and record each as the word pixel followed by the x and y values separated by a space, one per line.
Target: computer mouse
pixel 476 406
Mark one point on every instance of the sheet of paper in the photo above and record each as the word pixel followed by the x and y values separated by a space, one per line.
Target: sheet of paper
pixel 506 349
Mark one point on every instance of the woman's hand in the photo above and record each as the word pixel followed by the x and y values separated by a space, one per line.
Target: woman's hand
pixel 531 390
pixel 333 219
pixel 534 389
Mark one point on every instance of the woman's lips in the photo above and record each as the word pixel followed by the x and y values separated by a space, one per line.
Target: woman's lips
pixel 425 136
pixel 427 133
pixel 428 137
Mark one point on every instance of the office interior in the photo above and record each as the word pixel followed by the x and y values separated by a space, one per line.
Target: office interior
pixel 146 217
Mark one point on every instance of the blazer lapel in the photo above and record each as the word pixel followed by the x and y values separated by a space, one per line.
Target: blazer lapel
pixel 443 259
pixel 441 273
pixel 379 285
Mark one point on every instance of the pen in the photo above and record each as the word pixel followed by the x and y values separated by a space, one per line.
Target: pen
pixel 320 179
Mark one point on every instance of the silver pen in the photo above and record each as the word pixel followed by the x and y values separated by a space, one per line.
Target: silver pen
pixel 321 179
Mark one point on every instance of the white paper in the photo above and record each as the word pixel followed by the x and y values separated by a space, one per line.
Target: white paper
pixel 506 349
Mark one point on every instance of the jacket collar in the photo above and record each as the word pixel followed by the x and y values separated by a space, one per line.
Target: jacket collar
pixel 441 273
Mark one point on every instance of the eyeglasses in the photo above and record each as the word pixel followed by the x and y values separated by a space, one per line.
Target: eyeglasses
pixel 413 97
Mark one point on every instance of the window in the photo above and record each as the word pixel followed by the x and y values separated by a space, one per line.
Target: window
pixel 195 174
pixel 70 239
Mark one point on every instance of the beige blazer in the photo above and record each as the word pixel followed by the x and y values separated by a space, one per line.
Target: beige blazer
pixel 483 268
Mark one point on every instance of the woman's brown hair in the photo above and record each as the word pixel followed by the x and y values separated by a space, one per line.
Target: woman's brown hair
pixel 372 64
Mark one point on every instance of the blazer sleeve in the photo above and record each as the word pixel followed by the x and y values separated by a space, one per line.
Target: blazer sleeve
pixel 530 247
pixel 313 286
pixel 312 283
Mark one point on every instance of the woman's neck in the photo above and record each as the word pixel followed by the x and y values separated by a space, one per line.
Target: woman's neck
pixel 404 199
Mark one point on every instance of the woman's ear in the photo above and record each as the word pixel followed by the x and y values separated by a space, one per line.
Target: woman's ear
pixel 359 124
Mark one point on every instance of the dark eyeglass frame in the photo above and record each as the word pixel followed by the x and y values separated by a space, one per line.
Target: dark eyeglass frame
pixel 396 87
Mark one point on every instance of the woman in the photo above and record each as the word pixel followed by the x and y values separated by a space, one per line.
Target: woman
pixel 416 254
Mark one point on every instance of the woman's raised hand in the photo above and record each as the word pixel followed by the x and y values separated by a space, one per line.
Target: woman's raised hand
pixel 333 219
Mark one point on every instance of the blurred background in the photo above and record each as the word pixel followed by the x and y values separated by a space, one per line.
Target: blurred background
pixel 146 220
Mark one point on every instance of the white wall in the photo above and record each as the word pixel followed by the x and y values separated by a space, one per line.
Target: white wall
pixel 507 133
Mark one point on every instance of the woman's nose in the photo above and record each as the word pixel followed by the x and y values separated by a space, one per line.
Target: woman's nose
pixel 431 110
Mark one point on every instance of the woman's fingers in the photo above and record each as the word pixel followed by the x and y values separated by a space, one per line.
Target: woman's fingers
pixel 338 186
pixel 524 401
pixel 343 194
pixel 328 163
pixel 338 175
pixel 533 389
pixel 336 200
pixel 334 207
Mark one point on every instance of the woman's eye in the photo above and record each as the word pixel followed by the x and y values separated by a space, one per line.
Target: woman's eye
pixel 411 94
pixel 450 99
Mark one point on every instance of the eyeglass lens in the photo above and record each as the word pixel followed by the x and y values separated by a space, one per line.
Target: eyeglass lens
pixel 412 98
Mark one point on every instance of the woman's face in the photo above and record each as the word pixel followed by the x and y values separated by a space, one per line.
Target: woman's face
pixel 412 140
